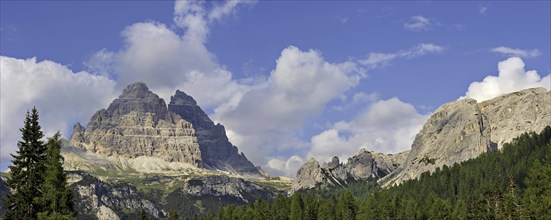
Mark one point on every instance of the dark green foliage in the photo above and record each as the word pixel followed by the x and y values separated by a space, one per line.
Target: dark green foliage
pixel 537 196
pixel 173 215
pixel 57 199
pixel 514 183
pixel 26 171
pixel 143 215
pixel 37 182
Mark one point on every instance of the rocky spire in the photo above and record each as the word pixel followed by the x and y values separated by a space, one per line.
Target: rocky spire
pixel 137 97
pixel 216 150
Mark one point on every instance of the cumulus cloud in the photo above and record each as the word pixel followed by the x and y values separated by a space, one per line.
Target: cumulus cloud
pixel 152 52
pixel 511 77
pixel 387 126
pixel 375 60
pixel 418 23
pixel 285 167
pixel 516 52
pixel 270 115
pixel 61 96
pixel 166 61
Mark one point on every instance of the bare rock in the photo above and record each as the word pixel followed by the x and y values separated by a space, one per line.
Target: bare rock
pixel 216 150
pixel 364 165
pixel 464 129
pixel 138 124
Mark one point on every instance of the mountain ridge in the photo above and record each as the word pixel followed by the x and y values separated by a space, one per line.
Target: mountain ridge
pixel 140 125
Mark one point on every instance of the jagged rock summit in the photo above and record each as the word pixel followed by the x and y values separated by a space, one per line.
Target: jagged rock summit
pixel 464 129
pixel 217 152
pixel 364 165
pixel 139 130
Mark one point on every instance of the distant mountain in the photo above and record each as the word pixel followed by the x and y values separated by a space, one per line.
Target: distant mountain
pixel 360 167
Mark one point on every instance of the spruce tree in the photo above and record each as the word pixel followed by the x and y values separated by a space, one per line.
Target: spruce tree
pixel 537 196
pixel 173 215
pixel 56 197
pixel 26 173
pixel 143 215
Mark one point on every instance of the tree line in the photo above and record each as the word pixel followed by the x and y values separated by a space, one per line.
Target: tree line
pixel 37 183
pixel 512 183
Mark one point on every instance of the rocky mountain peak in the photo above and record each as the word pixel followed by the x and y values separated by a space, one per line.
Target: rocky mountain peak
pixel 181 98
pixel 363 165
pixel 217 151
pixel 138 124
pixel 464 129
pixel 137 89
pixel 137 97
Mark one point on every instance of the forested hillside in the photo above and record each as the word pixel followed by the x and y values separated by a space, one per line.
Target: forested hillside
pixel 509 184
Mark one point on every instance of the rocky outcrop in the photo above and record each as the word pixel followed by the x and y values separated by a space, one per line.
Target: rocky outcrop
pixel 96 198
pixel 136 124
pixel 216 150
pixel 464 129
pixel 364 165
pixel 513 114
pixel 219 185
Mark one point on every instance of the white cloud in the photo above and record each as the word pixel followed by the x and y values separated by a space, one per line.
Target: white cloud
pixel 362 97
pixel 387 126
pixel 375 60
pixel 418 23
pixel 285 167
pixel 268 117
pixel 516 52
pixel 166 60
pixel 61 96
pixel 511 77
pixel 482 9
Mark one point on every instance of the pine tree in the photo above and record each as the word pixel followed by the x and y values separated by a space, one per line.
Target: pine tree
pixel 57 198
pixel 26 173
pixel 327 209
pixel 297 206
pixel 143 215
pixel 346 207
pixel 173 215
pixel 537 196
pixel 513 205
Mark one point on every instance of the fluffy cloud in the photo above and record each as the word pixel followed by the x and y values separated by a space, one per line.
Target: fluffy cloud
pixel 152 52
pixel 516 52
pixel 285 167
pixel 375 60
pixel 269 116
pixel 61 96
pixel 418 23
pixel 386 126
pixel 511 77
pixel 166 60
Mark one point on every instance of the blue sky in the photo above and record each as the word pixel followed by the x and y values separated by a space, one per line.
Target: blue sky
pixel 372 71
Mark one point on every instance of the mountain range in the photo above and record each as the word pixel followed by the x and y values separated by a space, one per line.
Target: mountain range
pixel 142 154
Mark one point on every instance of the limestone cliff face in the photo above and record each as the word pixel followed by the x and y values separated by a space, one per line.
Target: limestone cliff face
pixel 216 150
pixel 365 164
pixel 513 114
pixel 136 124
pixel 464 129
